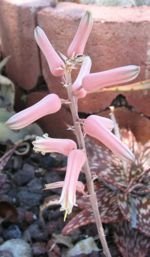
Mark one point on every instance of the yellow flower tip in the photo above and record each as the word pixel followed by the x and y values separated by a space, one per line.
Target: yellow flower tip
pixel 65 215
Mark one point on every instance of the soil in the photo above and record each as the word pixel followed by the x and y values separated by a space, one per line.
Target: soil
pixel 21 203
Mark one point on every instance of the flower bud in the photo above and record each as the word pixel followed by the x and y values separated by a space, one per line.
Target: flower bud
pixel 49 104
pixel 99 80
pixel 84 70
pixel 99 131
pixel 79 41
pixel 54 61
pixel 108 123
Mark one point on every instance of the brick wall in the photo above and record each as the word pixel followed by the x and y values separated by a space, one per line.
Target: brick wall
pixel 120 36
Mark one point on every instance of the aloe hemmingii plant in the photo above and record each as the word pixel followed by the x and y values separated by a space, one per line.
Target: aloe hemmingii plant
pixel 85 83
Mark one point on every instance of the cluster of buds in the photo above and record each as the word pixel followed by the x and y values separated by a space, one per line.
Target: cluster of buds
pixel 85 83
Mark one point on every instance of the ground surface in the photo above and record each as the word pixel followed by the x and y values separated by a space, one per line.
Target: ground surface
pixel 22 196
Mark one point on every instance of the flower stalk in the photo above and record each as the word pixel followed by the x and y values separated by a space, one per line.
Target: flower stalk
pixel 95 126
pixel 81 145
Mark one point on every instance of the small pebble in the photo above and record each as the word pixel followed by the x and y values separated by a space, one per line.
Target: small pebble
pixel 5 253
pixel 39 248
pixel 22 177
pixel 28 199
pixel 17 248
pixel 17 162
pixel 28 167
pixel 35 186
pixel 13 231
pixel 4 184
pixel 37 233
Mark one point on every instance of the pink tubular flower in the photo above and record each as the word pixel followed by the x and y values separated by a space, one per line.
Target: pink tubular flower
pixel 108 123
pixel 98 130
pixel 76 160
pixel 59 184
pixel 84 70
pixel 55 63
pixel 49 104
pixel 96 81
pixel 79 41
pixel 46 144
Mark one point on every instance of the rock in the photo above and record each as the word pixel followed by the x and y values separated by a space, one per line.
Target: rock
pixel 4 184
pixel 25 217
pixel 6 253
pixel 36 232
pixel 17 162
pixel 28 199
pixel 28 167
pixel 35 186
pixel 86 247
pixel 39 248
pixel 13 231
pixel 22 177
pixel 16 248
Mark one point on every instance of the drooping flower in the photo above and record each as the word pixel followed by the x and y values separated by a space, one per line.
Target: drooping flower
pixel 49 104
pixel 108 123
pixel 79 41
pixel 59 184
pixel 56 64
pixel 47 144
pixel 95 128
pixel 76 160
pixel 84 70
pixel 95 81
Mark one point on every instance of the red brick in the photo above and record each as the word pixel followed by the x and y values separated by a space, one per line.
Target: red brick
pixel 139 125
pixel 119 37
pixel 0 49
pixel 17 22
pixel 140 100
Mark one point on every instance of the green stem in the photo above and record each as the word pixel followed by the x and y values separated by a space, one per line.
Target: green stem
pixel 81 144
